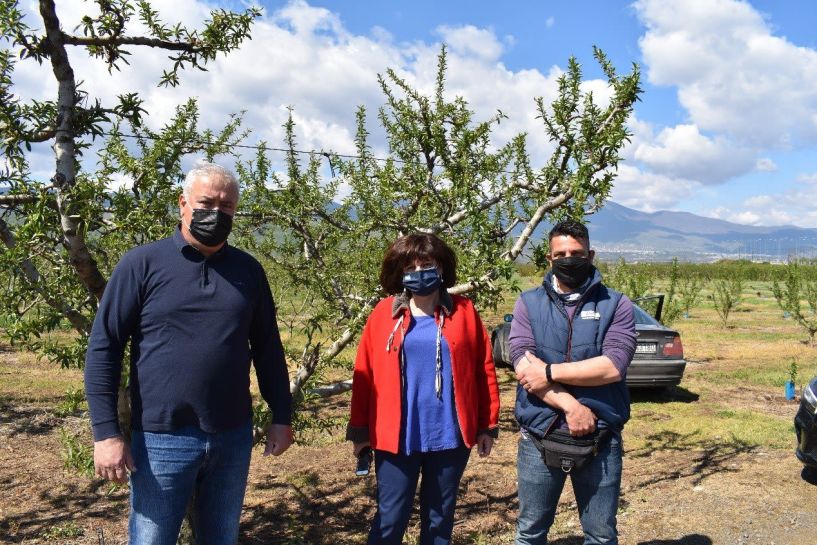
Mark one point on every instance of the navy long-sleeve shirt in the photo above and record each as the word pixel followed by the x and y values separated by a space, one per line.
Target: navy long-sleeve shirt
pixel 195 324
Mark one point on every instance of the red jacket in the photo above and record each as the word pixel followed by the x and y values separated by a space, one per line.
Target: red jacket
pixel 377 389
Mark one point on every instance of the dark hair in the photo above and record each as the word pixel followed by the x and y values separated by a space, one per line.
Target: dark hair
pixel 406 250
pixel 570 228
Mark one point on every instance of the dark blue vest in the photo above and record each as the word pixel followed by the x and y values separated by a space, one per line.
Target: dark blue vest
pixel 561 340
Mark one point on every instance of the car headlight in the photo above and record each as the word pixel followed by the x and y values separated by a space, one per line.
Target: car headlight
pixel 810 398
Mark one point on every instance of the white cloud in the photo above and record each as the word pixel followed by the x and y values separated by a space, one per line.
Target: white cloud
pixel 469 41
pixel 793 206
pixel 683 152
pixel 733 75
pixel 764 164
pixel 550 21
pixel 759 201
pixel 769 217
pixel 810 179
pixel 648 191
pixel 303 56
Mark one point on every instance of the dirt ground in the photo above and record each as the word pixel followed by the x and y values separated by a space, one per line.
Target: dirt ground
pixel 677 489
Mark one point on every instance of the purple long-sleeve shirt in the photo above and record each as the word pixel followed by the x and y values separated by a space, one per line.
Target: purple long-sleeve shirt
pixel 618 344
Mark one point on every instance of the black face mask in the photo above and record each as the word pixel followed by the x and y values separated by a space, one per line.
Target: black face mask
pixel 210 227
pixel 571 271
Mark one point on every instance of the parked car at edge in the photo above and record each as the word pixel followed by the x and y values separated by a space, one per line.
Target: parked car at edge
pixel 805 426
pixel 659 355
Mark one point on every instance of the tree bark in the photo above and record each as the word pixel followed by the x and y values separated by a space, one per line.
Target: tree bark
pixel 65 153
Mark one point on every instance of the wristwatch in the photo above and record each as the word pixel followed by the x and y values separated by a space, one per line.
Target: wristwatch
pixel 547 372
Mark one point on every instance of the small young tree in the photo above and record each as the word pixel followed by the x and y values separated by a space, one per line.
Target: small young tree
pixel 672 305
pixel 790 295
pixel 689 291
pixel 726 296
pixel 631 280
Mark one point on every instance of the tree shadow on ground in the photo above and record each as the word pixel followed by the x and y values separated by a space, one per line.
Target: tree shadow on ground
pixel 698 458
pixel 308 512
pixel 569 540
pixel 16 419
pixel 671 394
pixel 57 507
pixel 691 539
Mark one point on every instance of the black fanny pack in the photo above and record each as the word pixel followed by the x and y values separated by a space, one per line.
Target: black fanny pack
pixel 561 450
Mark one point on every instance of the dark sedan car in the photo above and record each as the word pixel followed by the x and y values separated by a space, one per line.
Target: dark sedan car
pixel 805 425
pixel 659 354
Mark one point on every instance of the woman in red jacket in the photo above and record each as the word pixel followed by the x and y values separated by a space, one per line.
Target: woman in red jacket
pixel 424 390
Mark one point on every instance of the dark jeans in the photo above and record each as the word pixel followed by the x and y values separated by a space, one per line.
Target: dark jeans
pixel 397 476
pixel 596 487
pixel 171 466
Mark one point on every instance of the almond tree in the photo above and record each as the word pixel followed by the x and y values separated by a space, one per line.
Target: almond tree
pixel 62 235
pixel 443 174
pixel 790 294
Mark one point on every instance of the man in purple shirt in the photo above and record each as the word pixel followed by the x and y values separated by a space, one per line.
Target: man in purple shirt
pixel 571 341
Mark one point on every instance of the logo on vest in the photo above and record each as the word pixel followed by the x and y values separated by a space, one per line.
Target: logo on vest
pixel 590 315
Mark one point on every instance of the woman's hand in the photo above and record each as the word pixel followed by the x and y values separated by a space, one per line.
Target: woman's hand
pixel 484 444
pixel 357 447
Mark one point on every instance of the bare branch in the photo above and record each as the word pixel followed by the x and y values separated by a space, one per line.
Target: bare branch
pixel 533 223
pixel 329 390
pixel 460 215
pixel 511 227
pixel 12 200
pixel 118 41
pixel 310 363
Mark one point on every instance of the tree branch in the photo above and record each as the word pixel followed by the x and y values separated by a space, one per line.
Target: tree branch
pixel 307 368
pixel 12 199
pixel 460 215
pixel 77 319
pixel 328 390
pixel 117 41
pixel 533 223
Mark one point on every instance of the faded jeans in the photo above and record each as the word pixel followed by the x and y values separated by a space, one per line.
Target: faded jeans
pixel 596 487
pixel 173 466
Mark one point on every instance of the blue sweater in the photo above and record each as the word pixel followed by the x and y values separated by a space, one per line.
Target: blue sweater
pixel 194 324
pixel 429 424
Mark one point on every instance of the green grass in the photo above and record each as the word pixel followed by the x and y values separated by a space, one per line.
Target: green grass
pixel 704 424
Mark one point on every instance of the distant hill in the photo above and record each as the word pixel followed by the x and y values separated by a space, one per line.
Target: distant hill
pixel 618 230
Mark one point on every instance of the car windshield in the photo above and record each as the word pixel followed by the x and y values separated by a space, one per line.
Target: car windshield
pixel 642 317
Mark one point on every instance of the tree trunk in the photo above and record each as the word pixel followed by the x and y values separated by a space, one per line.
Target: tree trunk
pixel 65 153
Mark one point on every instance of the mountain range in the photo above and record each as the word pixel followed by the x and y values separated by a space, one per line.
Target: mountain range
pixel 616 230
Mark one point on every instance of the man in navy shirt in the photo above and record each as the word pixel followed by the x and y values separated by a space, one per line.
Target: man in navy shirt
pixel 196 312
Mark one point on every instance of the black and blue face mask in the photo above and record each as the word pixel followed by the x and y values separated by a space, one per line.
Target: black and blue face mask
pixel 422 282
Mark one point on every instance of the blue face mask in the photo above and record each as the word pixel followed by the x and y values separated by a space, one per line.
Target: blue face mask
pixel 422 282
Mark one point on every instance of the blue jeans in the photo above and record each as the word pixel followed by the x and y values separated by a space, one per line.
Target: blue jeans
pixel 596 487
pixel 171 467
pixel 397 476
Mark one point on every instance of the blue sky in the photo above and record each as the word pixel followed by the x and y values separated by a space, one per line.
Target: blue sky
pixel 727 126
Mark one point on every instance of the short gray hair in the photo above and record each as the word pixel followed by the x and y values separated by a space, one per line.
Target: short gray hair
pixel 204 169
